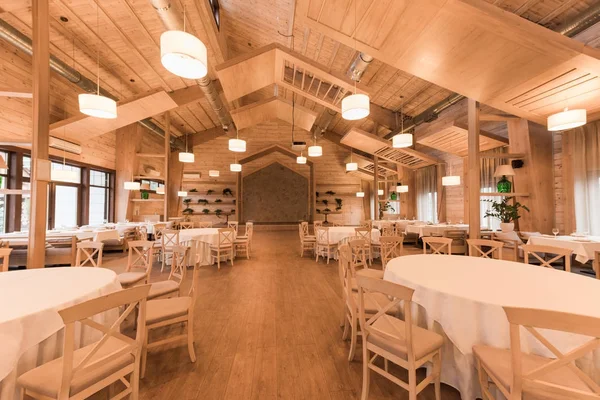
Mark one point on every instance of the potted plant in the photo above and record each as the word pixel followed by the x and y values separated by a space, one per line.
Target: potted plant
pixel 317 194
pixel 187 213
pixel 385 209
pixel 338 204
pixel 318 211
pixel 330 193
pixel 205 211
pixel 143 194
pixel 227 192
pixel 233 211
pixel 218 201
pixel 187 202
pixel 218 212
pixel 209 192
pixel 505 212
pixel 325 202
pixel 194 190
pixel 202 201
pixel 326 211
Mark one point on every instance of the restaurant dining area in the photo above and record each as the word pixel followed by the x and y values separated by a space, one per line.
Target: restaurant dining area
pixel 300 199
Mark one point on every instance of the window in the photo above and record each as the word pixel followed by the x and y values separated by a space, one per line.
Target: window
pixel 426 182
pixel 26 198
pixel 488 182
pixel 99 197
pixel 3 182
pixel 584 144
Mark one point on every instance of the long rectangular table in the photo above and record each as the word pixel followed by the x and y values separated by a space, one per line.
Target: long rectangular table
pixel 438 229
pixel 584 250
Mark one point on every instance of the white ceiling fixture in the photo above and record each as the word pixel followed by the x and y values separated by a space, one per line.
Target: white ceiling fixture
pixel 451 180
pixel 131 185
pixel 351 166
pixel 186 156
pixel 567 119
pixel 213 173
pixel 356 106
pixel 183 54
pixel 402 140
pixel 235 167
pixel 181 193
pixel 96 105
pixel 380 192
pixel 301 159
pixel 360 194
pixel 314 150
pixel 237 145
pixel 402 188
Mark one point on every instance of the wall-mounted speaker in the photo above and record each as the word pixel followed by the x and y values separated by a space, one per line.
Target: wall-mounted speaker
pixel 517 164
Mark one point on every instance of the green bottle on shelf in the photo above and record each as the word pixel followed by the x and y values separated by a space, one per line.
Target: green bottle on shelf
pixel 504 185
pixel 393 196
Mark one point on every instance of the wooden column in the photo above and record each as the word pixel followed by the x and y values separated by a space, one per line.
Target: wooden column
pixel 312 196
pixel 376 186
pixel 473 163
pixel 238 198
pixel 174 185
pixel 568 186
pixel 167 157
pixel 441 190
pixel 40 163
pixel 14 202
pixel 128 142
pixel 466 189
pixel 365 187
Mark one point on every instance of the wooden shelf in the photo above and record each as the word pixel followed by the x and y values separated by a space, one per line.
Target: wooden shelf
pixel 391 201
pixel 150 178
pixel 210 204
pixel 151 155
pixel 496 194
pixel 149 200
pixel 508 156
pixel 14 191
pixel 209 182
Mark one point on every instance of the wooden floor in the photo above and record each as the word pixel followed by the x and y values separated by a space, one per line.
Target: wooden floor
pixel 266 328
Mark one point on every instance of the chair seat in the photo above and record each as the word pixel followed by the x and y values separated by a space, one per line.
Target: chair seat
pixel 129 278
pixel 241 241
pixel 46 378
pixel 245 237
pixel 162 288
pixel 424 341
pixel 224 247
pixel 498 362
pixel 309 238
pixel 164 309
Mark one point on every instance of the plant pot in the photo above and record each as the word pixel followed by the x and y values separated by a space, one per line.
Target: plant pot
pixel 507 226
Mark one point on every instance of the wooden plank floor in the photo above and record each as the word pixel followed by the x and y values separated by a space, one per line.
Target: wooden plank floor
pixel 266 328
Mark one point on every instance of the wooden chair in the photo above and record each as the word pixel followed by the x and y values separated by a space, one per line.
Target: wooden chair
pixel 172 286
pixel 168 239
pixel 316 224
pixel 234 225
pixel 476 248
pixel 186 225
pixel 204 224
pixel 243 243
pixel 366 234
pixel 139 263
pixel 158 230
pixel 141 233
pixel 392 339
pixel 306 242
pixel 358 248
pixel 388 229
pixel 536 250
pixel 168 312
pixel 80 373
pixel 322 235
pixel 89 250
pixel 459 240
pixel 438 245
pixel 512 249
pixel 5 258
pixel 518 375
pixel 347 275
pixel 390 247
pixel 224 246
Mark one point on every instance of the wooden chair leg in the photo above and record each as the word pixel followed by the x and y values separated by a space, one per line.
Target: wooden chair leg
pixel 412 384
pixel 145 353
pixel 135 381
pixel 353 338
pixel 366 373
pixel 437 370
pixel 190 334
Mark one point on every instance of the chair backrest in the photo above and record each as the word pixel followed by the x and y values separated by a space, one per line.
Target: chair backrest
pixel 438 245
pixel 388 229
pixel 169 238
pixel 536 250
pixel 358 247
pixel 140 255
pixel 158 228
pixel 363 233
pixel 391 247
pixel 4 257
pixel 186 225
pixel 317 224
pixel 368 286
pixel 82 314
pixel 250 230
pixel 234 225
pixel 476 248
pixel 322 234
pixel 459 240
pixel 179 264
pixel 226 237
pixel 346 272
pixel 205 224
pixel 366 224
pixel 536 379
pixel 304 228
pixel 141 233
pixel 86 252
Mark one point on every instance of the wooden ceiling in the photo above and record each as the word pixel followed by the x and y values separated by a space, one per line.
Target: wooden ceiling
pixel 128 41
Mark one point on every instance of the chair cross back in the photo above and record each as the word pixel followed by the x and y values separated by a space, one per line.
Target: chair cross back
pixel 169 238
pixel 531 249
pixel 4 256
pixel 226 237
pixel 476 248
pixel 390 247
pixel 83 313
pixel 363 233
pixel 89 250
pixel 388 229
pixel 141 233
pixel 530 319
pixel 322 235
pixel 140 255
pixel 178 263
pixel 234 225
pixel 204 224
pixel 358 249
pixel 186 225
pixel 438 245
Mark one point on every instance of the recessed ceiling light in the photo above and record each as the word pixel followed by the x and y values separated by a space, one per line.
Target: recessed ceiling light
pixel 64 19
pixel 132 80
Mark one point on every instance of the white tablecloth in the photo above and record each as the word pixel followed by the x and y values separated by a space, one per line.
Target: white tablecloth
pixel 204 237
pixel 462 298
pixel 583 250
pixel 30 302
pixel 339 233
pixel 428 230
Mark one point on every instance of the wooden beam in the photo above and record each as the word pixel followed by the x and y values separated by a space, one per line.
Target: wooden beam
pixel 376 186
pixel 199 138
pixel 166 156
pixel 16 92
pixel 505 156
pixel 473 162
pixel 41 135
pixel 268 150
pixel 496 117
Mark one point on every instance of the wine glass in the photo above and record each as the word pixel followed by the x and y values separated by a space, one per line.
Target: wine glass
pixel 555 231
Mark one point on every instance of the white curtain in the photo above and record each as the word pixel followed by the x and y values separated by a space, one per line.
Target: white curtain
pixel 426 182
pixel 586 171
pixel 487 168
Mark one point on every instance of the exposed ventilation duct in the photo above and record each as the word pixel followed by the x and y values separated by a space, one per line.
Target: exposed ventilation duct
pixel 23 43
pixel 172 20
pixel 580 23
pixel 359 65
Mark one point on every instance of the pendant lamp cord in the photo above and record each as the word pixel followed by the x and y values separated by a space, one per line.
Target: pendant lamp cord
pixel 355 43
pixel 184 17
pixel 98 49
pixel 402 114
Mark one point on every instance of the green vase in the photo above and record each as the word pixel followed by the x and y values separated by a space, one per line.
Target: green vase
pixel 145 195
pixel 393 196
pixel 504 185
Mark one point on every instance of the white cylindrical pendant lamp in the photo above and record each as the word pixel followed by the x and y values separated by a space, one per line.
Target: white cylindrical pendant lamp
pixel 355 107
pixel 360 194
pixel 351 166
pixel 97 106
pixel 567 119
pixel 186 157
pixel 452 180
pixel 182 193
pixel 237 145
pixel 183 54
pixel 131 185
pixel 380 192
pixel 235 167
pixel 213 173
pixel 315 151
pixel 402 188
pixel 402 140
pixel 301 160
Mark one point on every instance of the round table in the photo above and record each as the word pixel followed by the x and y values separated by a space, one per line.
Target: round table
pixel 462 298
pixel 30 301
pixel 339 233
pixel 204 237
